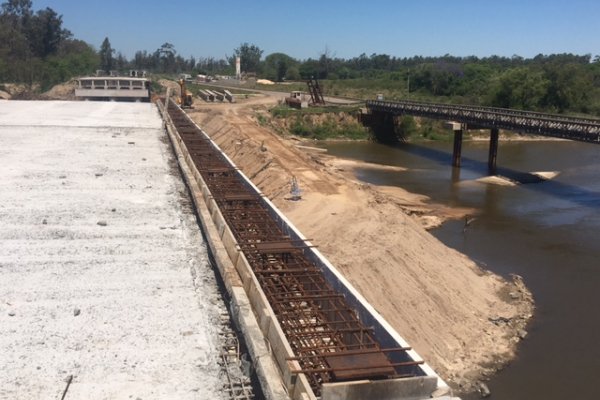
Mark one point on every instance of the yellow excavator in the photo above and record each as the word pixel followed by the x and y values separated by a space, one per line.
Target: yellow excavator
pixel 186 98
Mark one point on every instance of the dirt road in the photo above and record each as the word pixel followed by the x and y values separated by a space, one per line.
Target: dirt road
pixel 463 320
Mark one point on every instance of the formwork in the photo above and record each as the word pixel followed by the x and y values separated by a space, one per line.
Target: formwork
pixel 325 339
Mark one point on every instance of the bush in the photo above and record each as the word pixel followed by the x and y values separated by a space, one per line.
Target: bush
pixel 304 127
pixel 408 126
pixel 298 128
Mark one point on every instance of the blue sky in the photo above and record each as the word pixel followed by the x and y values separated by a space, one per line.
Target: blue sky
pixel 346 28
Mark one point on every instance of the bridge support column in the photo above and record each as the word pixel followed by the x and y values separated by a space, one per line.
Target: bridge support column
pixel 383 126
pixel 458 137
pixel 493 155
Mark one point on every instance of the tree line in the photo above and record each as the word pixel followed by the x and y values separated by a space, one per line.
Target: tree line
pixel 36 48
pixel 562 83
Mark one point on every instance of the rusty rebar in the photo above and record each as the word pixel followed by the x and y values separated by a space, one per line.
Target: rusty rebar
pixel 328 339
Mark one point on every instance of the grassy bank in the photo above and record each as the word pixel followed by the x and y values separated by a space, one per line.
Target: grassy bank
pixel 319 123
pixel 341 123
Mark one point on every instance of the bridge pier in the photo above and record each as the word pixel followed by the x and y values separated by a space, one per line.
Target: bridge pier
pixel 493 154
pixel 382 125
pixel 458 137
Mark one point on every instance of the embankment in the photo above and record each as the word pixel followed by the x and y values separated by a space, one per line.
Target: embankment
pixel 465 321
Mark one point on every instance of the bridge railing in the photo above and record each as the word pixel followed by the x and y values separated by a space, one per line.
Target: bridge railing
pixel 574 128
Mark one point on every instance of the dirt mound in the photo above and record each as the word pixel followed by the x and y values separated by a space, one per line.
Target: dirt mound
pixel 62 91
pixel 18 90
pixel 463 320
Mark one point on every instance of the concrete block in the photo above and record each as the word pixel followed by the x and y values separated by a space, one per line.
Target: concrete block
pixel 230 244
pixel 279 353
pixel 218 219
pixel 302 389
pixel 442 392
pixel 265 321
pixel 391 389
pixel 205 192
pixel 211 205
pixel 197 175
pixel 241 267
pixel 455 126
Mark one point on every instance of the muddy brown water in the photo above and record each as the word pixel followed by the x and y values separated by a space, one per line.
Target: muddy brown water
pixel 546 231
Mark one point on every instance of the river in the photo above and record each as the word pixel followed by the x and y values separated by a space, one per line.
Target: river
pixel 546 231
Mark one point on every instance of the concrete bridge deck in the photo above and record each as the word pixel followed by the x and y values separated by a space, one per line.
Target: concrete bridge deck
pixel 96 261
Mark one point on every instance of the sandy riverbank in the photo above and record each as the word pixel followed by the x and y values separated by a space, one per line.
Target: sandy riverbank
pixel 463 320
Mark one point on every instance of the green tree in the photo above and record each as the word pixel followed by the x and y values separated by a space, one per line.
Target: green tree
pixel 249 55
pixel 309 69
pixel 74 58
pixel 276 66
pixel 35 48
pixel 106 56
pixel 26 37
pixel 120 62
pixel 293 73
pixel 166 55
pixel 569 87
pixel 45 33
pixel 14 48
pixel 19 10
pixel 522 88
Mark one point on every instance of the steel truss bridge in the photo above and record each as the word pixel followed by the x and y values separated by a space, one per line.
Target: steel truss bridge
pixel 474 117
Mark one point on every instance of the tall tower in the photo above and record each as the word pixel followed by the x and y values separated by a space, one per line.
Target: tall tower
pixel 238 68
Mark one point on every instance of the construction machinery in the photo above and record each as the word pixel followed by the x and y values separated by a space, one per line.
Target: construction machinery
pixel 296 98
pixel 186 98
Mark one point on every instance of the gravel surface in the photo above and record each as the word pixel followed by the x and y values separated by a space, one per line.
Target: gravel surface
pixel 103 273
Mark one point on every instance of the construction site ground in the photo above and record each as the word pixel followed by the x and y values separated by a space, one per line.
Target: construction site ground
pixel 440 301
pixel 105 284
